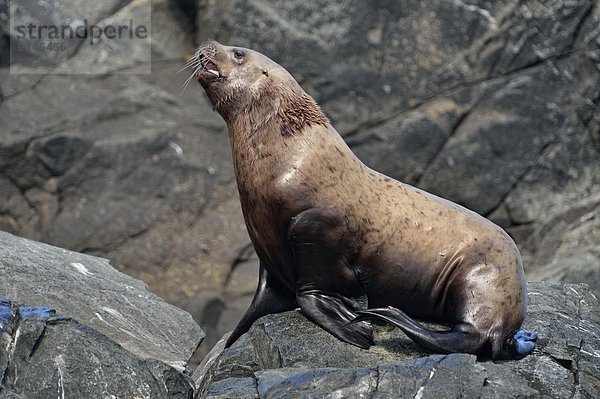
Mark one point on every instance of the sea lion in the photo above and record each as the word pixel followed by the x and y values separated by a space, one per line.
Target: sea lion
pixel 346 243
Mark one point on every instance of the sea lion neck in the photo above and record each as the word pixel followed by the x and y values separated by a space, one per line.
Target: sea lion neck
pixel 298 111
pixel 281 109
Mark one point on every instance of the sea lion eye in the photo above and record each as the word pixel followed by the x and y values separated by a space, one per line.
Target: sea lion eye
pixel 238 54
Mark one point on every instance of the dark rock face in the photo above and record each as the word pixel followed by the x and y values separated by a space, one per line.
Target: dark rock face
pixel 492 104
pixel 287 355
pixel 86 330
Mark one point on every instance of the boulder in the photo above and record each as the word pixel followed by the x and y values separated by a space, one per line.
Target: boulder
pixel 285 355
pixel 72 324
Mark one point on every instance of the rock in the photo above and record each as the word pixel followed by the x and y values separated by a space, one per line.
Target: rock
pixel 489 138
pixel 105 55
pixel 75 324
pixel 285 354
pixel 173 24
pixel 355 57
pixel 122 166
pixel 567 246
pixel 169 34
pixel 47 355
pixel 65 12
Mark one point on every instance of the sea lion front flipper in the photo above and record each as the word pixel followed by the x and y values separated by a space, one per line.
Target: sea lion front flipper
pixel 327 287
pixel 268 298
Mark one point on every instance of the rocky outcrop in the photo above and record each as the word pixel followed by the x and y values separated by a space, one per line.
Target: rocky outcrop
pixel 72 325
pixel 490 104
pixel 286 355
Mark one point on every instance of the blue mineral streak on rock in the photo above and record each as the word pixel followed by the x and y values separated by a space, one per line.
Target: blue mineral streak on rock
pixel 35 312
pixel 6 314
pixel 25 313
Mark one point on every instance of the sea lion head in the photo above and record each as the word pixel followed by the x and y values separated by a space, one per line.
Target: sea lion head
pixel 243 84
pixel 234 77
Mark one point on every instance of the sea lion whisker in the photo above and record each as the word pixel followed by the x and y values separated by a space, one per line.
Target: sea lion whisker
pixel 189 79
pixel 208 64
pixel 208 50
pixel 204 59
pixel 191 62
pixel 199 62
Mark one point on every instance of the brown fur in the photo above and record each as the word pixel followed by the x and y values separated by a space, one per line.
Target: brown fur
pixel 334 236
pixel 298 111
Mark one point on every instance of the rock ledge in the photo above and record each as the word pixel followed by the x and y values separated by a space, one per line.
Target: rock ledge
pixel 286 355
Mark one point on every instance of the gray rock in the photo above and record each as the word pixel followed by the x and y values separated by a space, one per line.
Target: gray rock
pixel 172 28
pixel 102 300
pixel 48 355
pixel 566 246
pixel 105 55
pixel 117 178
pixel 342 383
pixel 491 138
pixel 285 355
pixel 122 166
pixel 404 146
pixel 171 35
pixel 241 388
pixel 355 57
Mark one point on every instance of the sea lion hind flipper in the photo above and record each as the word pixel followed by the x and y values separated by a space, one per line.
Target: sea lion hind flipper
pixel 269 298
pixel 334 316
pixel 461 339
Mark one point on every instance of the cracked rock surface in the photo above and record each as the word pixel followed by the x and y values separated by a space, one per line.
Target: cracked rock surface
pixel 71 324
pixel 492 104
pixel 286 355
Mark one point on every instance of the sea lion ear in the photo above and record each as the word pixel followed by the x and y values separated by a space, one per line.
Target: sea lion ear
pixel 265 72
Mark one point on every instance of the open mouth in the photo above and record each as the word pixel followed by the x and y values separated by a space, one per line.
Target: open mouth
pixel 204 68
pixel 211 67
